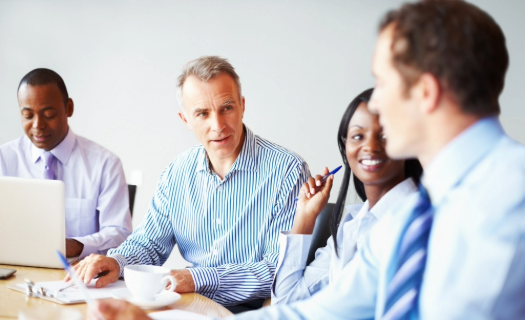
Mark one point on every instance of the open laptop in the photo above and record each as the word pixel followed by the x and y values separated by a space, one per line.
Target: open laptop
pixel 32 222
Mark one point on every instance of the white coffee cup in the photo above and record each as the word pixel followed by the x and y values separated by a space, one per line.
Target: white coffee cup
pixel 145 282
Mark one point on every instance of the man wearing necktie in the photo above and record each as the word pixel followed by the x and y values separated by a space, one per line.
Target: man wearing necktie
pixel 97 205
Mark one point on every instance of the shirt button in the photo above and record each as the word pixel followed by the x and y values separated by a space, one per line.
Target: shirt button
pixel 218 221
pixel 220 188
pixel 215 252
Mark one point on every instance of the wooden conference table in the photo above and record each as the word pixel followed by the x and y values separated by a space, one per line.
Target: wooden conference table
pixel 11 301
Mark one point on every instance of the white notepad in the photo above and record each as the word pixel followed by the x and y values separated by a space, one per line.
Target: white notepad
pixel 73 294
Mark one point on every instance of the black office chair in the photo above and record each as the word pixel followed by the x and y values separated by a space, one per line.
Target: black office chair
pixel 132 190
pixel 321 231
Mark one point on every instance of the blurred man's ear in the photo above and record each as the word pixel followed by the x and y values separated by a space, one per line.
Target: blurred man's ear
pixel 70 107
pixel 428 91
pixel 183 118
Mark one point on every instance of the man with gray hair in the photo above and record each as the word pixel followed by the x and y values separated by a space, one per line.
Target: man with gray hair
pixel 223 202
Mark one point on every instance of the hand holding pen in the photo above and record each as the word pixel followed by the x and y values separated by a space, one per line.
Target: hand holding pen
pixel 312 200
pixel 319 181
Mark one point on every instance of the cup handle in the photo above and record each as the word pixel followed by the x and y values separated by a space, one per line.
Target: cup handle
pixel 171 279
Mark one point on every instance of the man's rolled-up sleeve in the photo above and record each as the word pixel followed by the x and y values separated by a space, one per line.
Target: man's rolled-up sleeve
pixel 153 240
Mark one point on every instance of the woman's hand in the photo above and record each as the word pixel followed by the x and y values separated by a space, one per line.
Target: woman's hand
pixel 313 198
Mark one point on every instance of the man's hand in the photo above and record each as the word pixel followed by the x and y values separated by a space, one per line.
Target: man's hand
pixel 94 264
pixel 312 203
pixel 117 310
pixel 184 280
pixel 73 248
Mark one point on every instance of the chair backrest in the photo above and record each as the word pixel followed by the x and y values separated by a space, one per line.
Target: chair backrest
pixel 132 189
pixel 321 231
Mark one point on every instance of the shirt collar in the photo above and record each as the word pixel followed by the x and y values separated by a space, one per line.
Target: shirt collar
pixel 62 152
pixel 246 160
pixel 354 209
pixel 399 191
pixel 457 158
pixel 202 161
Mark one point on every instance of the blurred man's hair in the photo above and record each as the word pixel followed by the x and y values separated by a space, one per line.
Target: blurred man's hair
pixel 458 43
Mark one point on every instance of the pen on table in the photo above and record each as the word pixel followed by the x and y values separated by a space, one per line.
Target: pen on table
pixel 323 180
pixel 80 285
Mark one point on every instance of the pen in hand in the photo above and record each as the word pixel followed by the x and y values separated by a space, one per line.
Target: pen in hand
pixel 323 180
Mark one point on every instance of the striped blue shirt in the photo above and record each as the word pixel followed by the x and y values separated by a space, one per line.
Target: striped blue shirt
pixel 228 229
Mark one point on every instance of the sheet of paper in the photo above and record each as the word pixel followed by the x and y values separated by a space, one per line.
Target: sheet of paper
pixel 74 294
pixel 177 315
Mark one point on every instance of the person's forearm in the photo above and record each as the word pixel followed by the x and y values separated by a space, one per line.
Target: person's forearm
pixel 184 279
pixel 149 244
pixel 294 280
pixel 293 252
pixel 223 286
pixel 100 242
pixel 303 225
pixel 73 248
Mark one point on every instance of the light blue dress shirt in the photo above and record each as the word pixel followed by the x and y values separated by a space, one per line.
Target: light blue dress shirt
pixel 476 258
pixel 228 229
pixel 97 200
pixel 295 281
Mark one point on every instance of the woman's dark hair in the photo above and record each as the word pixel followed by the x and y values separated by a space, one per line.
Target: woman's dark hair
pixel 413 168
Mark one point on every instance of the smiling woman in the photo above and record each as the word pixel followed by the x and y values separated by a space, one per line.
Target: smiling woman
pixel 365 151
pixel 380 181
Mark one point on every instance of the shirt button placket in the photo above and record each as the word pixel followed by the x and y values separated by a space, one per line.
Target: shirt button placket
pixel 218 221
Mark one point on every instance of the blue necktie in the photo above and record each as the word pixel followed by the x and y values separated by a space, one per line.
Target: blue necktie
pixel 403 288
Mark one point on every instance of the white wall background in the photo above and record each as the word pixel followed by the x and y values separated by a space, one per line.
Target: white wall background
pixel 300 62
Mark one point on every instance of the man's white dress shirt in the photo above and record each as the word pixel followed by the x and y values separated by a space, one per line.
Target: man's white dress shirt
pixel 296 281
pixel 97 200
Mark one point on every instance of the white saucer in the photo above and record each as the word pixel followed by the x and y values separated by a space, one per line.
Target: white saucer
pixel 163 299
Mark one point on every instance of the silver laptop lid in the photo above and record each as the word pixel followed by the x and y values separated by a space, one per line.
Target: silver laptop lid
pixel 32 222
